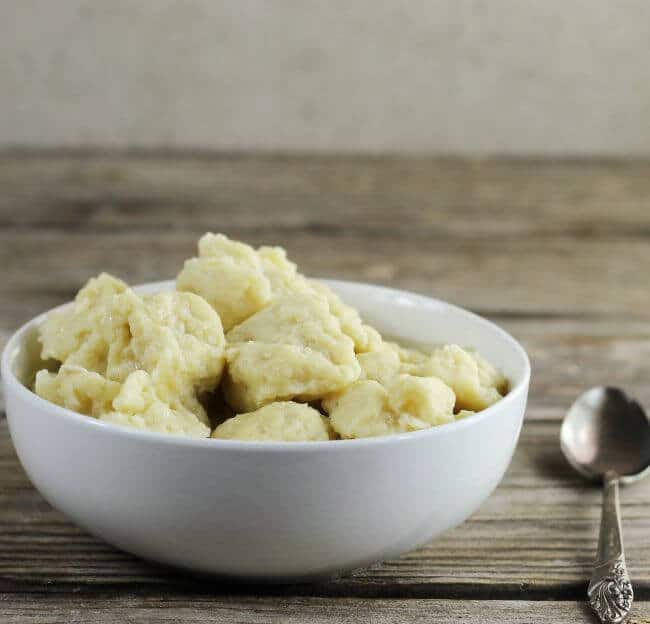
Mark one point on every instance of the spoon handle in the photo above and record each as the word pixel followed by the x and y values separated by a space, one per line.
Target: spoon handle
pixel 610 591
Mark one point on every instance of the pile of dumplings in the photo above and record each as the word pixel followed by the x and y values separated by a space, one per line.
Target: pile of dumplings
pixel 247 348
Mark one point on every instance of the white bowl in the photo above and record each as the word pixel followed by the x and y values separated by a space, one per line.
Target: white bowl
pixel 272 510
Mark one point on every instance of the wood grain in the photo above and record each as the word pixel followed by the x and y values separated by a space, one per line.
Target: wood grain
pixel 558 253
pixel 534 238
pixel 37 609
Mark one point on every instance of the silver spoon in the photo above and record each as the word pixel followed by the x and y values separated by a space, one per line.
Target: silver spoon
pixel 605 436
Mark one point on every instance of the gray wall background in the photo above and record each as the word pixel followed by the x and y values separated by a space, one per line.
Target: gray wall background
pixel 558 77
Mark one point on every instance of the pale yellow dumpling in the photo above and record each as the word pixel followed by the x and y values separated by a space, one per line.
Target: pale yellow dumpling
pixel 420 401
pixel 111 333
pixel 138 405
pixel 293 348
pixel 282 274
pixel 477 384
pixel 75 336
pixel 178 339
pixel 77 389
pixel 363 336
pixel 380 365
pixel 284 421
pixel 406 403
pixel 229 276
pixel 285 280
pixel 409 355
pixel 121 360
pixel 489 375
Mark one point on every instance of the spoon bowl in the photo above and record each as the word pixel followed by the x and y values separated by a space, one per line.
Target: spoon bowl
pixel 605 430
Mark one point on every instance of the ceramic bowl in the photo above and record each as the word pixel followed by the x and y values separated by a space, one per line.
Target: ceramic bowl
pixel 273 511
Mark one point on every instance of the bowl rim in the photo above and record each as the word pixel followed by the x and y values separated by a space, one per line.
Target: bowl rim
pixel 13 385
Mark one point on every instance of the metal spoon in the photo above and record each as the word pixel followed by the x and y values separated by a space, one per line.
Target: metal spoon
pixel 605 436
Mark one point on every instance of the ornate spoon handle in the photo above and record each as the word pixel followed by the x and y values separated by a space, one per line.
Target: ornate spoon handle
pixel 610 590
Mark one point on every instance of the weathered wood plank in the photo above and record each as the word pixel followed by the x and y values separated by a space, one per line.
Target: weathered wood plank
pixel 428 197
pixel 534 276
pixel 39 609
pixel 535 537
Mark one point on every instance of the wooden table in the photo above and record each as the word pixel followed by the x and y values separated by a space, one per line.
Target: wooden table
pixel 558 253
